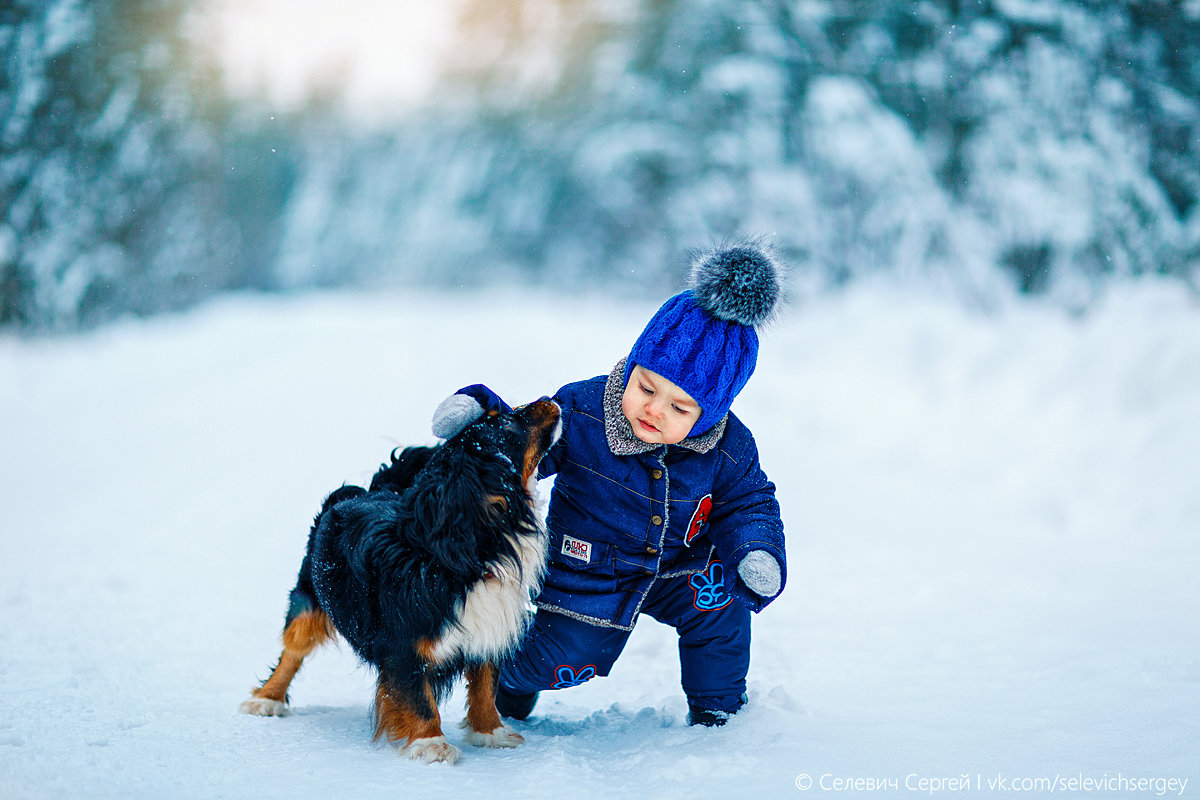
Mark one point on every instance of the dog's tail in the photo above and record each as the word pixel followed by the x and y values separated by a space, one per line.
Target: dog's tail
pixel 303 598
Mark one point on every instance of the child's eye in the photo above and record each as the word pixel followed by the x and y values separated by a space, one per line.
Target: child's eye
pixel 645 389
pixel 680 410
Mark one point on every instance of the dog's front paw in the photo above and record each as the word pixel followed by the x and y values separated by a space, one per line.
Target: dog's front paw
pixel 432 750
pixel 503 736
pixel 264 707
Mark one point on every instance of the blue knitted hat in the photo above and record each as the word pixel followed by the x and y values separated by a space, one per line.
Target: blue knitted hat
pixel 704 340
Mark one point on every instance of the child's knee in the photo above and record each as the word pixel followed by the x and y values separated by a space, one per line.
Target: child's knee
pixel 559 653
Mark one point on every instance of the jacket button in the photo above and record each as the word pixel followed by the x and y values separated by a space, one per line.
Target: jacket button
pixel 656 520
pixel 653 551
pixel 657 474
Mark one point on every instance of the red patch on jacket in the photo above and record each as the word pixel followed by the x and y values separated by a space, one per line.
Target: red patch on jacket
pixel 696 526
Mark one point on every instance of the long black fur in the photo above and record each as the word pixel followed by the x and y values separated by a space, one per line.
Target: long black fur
pixel 390 565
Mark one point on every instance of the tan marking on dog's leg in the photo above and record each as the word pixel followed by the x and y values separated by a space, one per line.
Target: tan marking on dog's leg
pixel 483 720
pixel 481 698
pixel 396 719
pixel 303 635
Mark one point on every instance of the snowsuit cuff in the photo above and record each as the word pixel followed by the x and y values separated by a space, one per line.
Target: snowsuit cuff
pixel 740 545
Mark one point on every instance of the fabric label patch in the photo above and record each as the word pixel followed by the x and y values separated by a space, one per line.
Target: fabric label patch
pixel 577 549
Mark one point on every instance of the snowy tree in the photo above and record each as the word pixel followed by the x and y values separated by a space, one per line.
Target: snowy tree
pixel 937 141
pixel 984 146
pixel 1068 127
pixel 116 193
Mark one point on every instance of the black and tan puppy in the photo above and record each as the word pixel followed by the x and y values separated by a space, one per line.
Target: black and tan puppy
pixel 427 575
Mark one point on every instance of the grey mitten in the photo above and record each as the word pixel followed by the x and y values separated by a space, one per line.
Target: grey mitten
pixel 455 413
pixel 760 572
pixel 463 407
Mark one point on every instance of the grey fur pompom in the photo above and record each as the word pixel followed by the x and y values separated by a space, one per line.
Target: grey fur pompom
pixel 739 282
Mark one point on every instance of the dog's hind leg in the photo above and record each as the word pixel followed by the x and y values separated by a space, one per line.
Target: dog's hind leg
pixel 306 629
pixel 400 716
pixel 483 721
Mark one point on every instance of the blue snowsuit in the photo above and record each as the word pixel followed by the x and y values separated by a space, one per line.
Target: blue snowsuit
pixel 643 528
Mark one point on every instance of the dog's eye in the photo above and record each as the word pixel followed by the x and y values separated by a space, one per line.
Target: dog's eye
pixel 496 505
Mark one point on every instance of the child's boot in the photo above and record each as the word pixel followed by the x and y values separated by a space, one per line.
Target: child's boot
pixel 714 717
pixel 514 706
pixel 708 717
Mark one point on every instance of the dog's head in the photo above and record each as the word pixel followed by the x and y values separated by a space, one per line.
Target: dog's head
pixel 520 437
pixel 475 495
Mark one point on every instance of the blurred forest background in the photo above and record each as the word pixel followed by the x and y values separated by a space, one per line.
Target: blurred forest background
pixel 988 148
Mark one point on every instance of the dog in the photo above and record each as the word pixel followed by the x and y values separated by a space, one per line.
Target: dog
pixel 428 574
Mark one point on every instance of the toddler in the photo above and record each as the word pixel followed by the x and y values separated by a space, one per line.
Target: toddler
pixel 660 506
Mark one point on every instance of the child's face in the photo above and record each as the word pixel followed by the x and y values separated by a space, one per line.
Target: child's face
pixel 659 411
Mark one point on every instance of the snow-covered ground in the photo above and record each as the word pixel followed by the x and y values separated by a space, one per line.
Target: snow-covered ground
pixel 994 548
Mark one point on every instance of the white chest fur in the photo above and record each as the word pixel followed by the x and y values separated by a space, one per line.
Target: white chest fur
pixel 495 611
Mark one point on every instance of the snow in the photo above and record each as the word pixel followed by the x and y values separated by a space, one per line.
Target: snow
pixel 992 549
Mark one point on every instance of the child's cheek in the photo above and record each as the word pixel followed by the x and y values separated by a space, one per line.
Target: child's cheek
pixel 629 409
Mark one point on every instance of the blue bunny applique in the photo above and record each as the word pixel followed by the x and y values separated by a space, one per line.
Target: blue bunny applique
pixel 708 588
pixel 567 676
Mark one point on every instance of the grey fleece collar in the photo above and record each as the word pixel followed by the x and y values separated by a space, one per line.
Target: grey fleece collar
pixel 621 438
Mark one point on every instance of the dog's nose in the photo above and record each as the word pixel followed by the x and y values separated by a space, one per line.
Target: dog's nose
pixel 545 411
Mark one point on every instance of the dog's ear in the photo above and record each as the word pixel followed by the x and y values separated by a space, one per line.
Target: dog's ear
pixel 453 504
